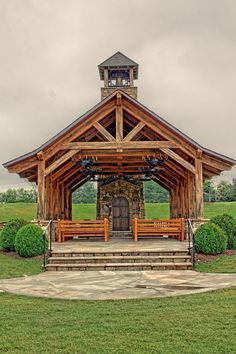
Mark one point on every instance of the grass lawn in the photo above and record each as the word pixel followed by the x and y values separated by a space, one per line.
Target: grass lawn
pixel 13 266
pixel 223 264
pixel 200 323
pixel 88 211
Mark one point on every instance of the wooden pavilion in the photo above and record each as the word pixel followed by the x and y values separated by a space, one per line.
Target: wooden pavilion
pixel 119 139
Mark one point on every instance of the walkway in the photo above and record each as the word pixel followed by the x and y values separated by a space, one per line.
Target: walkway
pixel 103 285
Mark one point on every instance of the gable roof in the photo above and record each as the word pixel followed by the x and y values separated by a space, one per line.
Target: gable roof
pixel 98 106
pixel 118 60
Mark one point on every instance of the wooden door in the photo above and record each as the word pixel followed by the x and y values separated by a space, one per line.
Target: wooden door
pixel 120 214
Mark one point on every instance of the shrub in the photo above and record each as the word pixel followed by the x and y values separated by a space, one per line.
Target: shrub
pixel 210 239
pixel 228 225
pixel 9 232
pixel 31 241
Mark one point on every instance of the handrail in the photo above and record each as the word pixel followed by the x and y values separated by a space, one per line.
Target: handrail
pixel 191 236
pixel 47 252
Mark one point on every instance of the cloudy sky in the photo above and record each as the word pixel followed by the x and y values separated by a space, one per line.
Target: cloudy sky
pixel 50 51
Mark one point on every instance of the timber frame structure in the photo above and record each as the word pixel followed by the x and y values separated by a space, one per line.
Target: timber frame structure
pixel 118 136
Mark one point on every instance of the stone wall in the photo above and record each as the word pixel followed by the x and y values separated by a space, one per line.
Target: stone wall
pixel 131 91
pixel 120 188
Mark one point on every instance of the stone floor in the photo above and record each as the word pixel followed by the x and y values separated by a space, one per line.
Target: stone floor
pixel 103 285
pixel 120 244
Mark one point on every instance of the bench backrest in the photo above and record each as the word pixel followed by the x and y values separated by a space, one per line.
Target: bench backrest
pixel 160 223
pixel 81 224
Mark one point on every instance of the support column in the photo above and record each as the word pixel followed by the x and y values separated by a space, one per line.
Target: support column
pixel 199 188
pixel 131 76
pixel 119 119
pixel 70 205
pixel 62 201
pixel 171 203
pixel 174 201
pixel 41 187
pixel 105 77
pixel 48 189
pixel 191 194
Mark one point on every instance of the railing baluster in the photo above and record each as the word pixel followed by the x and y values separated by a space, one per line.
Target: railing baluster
pixel 191 233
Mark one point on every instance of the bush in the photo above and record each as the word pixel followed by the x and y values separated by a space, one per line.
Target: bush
pixel 31 241
pixel 210 239
pixel 228 224
pixel 9 232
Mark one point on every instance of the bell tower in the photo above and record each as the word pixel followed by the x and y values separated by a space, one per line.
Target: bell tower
pixel 118 72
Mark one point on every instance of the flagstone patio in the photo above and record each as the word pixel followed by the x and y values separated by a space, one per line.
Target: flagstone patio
pixel 104 285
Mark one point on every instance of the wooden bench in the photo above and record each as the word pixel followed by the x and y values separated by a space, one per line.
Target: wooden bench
pixel 149 228
pixel 83 228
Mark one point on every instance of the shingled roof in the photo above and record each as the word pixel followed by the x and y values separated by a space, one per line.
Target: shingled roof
pixel 118 60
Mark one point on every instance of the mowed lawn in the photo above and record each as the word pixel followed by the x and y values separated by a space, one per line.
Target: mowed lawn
pixel 200 323
pixel 12 266
pixel 88 211
pixel 223 264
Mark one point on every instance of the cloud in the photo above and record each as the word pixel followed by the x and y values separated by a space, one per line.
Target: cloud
pixel 50 52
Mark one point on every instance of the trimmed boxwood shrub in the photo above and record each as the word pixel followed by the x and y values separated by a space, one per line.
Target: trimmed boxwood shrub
pixel 9 232
pixel 228 225
pixel 30 241
pixel 210 239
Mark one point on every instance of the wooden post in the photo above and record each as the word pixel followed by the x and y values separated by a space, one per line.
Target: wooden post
pixel 69 205
pixel 191 209
pixel 59 230
pixel 135 226
pixel 106 229
pixel 48 198
pixel 198 188
pixel 105 77
pixel 63 201
pixel 119 119
pixel 41 187
pixel 131 76
pixel 182 229
pixel 181 198
pixel 51 199
pixel 173 201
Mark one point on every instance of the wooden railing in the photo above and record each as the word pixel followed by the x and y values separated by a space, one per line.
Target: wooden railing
pixel 83 228
pixel 155 227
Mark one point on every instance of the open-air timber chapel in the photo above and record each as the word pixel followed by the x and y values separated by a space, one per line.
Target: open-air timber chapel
pixel 119 143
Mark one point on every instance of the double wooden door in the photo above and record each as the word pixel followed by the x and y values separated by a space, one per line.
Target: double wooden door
pixel 120 214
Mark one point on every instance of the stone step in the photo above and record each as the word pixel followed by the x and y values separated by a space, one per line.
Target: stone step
pixel 120 259
pixel 119 266
pixel 118 253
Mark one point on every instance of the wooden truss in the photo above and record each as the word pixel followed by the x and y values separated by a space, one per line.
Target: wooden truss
pixel 118 136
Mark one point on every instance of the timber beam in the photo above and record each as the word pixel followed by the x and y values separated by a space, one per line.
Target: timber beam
pixel 121 145
pixel 179 159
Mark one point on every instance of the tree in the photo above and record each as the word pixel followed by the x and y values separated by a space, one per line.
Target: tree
pixel 154 193
pixel 224 192
pixel 85 194
pixel 209 191
pixel 233 190
pixel 19 195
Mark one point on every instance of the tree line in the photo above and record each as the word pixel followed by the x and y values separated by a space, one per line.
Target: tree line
pixel 223 192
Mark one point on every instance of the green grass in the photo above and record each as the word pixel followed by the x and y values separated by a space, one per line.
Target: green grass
pixel 13 266
pixel 88 211
pixel 200 323
pixel 84 211
pixel 212 209
pixel 157 210
pixel 26 211
pixel 223 264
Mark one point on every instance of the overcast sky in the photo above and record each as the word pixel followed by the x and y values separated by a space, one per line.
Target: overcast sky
pixel 50 50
